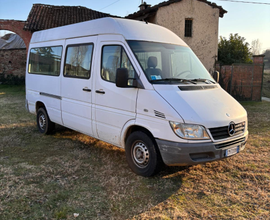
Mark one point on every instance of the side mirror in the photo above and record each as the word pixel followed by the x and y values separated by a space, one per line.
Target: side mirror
pixel 121 78
pixel 216 76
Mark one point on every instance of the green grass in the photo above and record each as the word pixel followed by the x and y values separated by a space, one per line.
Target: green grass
pixel 55 176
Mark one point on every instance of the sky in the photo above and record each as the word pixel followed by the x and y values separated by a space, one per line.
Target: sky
pixel 251 21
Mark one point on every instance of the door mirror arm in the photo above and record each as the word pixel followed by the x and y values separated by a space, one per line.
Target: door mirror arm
pixel 216 76
pixel 137 83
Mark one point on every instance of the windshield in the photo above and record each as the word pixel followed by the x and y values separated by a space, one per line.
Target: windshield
pixel 167 63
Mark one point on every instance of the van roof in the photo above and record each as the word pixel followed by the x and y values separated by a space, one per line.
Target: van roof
pixel 129 29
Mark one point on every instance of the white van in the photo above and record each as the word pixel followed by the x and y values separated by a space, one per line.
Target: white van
pixel 137 86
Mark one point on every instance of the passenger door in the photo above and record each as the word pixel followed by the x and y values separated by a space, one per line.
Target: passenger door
pixel 114 106
pixel 76 85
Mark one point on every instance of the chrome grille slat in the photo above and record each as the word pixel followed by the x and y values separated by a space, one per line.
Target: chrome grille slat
pixel 222 132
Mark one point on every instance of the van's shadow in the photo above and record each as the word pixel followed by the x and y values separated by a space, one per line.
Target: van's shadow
pixel 126 192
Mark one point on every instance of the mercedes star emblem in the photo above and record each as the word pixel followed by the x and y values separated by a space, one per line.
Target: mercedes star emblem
pixel 231 128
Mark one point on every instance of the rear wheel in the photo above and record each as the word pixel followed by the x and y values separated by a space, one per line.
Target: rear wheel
pixel 44 124
pixel 142 154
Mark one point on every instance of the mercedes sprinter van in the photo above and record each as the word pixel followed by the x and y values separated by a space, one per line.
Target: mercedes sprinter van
pixel 137 86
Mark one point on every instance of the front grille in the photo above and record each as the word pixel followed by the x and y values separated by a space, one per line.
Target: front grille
pixel 230 143
pixel 222 132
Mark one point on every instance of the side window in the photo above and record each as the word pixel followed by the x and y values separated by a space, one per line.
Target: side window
pixel 45 60
pixel 114 57
pixel 78 61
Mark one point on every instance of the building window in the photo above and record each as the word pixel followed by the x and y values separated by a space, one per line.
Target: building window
pixel 188 27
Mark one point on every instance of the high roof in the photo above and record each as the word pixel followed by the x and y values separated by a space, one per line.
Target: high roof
pixel 150 11
pixel 114 26
pixel 49 16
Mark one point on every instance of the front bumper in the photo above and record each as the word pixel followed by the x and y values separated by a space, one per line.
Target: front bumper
pixel 182 154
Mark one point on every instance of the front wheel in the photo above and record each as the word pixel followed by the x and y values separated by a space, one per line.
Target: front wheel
pixel 142 154
pixel 44 124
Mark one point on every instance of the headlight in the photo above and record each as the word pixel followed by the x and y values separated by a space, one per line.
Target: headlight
pixel 189 131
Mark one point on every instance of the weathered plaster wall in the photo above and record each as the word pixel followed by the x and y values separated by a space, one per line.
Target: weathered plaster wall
pixel 13 62
pixel 204 40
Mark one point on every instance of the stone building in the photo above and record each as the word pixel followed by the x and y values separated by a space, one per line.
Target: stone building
pixel 195 21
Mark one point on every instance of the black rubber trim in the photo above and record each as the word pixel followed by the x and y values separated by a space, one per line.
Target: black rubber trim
pixel 50 95
pixel 189 88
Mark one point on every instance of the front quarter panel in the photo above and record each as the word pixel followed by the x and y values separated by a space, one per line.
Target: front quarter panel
pixel 154 114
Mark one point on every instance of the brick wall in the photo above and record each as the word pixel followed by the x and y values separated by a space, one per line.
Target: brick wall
pixel 12 62
pixel 16 27
pixel 243 81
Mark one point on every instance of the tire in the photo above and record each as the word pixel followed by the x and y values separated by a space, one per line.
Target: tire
pixel 142 154
pixel 44 124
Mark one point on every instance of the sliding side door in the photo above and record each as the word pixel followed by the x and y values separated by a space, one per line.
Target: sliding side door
pixel 76 84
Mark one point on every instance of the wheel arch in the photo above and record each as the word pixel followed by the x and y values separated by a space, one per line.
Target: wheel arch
pixel 132 128
pixel 39 105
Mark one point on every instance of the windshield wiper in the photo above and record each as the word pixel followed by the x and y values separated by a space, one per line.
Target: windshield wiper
pixel 174 80
pixel 203 80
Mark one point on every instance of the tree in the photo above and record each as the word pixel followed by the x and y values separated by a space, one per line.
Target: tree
pixel 267 58
pixel 233 50
pixel 255 47
pixel 267 54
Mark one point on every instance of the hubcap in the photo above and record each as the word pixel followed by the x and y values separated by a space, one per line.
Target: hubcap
pixel 140 154
pixel 42 121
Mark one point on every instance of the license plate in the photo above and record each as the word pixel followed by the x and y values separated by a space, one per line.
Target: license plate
pixel 232 151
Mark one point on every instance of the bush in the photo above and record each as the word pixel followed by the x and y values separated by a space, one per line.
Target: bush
pixel 233 50
pixel 12 80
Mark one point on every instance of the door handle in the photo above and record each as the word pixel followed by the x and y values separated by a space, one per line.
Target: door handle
pixel 86 90
pixel 100 92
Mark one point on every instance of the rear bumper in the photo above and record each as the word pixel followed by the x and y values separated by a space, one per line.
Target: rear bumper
pixel 182 154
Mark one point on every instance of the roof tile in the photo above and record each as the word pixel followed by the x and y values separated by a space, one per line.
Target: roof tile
pixel 48 16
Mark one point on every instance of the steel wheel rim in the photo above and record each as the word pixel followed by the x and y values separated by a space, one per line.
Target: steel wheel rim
pixel 140 154
pixel 42 121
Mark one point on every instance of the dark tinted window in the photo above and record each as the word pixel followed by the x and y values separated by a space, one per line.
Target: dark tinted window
pixel 45 60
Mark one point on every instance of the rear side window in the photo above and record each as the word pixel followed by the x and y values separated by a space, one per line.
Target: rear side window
pixel 114 57
pixel 45 60
pixel 78 61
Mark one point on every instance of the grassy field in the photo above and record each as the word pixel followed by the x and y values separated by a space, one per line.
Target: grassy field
pixel 266 84
pixel 55 176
